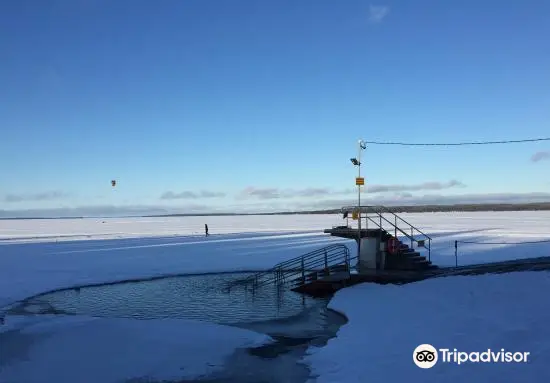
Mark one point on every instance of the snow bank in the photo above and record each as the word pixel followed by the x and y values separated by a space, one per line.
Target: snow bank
pixel 83 349
pixel 472 313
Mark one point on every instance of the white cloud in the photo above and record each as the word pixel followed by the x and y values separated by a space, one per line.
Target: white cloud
pixel 42 196
pixel 540 156
pixel 377 13
pixel 272 193
pixel 406 199
pixel 431 185
pixel 104 211
pixel 186 194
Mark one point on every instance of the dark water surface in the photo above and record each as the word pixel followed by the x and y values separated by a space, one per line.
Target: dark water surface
pixel 293 320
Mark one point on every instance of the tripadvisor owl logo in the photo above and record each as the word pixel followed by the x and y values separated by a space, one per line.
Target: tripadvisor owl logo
pixel 425 356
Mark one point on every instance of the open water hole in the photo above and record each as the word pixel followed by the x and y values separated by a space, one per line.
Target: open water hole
pixel 293 320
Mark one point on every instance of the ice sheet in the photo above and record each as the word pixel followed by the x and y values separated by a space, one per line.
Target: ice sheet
pixel 94 350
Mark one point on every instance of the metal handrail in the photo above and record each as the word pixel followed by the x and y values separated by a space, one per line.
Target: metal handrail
pixel 311 254
pixel 379 210
pixel 288 271
pixel 406 222
pixel 290 277
pixel 305 262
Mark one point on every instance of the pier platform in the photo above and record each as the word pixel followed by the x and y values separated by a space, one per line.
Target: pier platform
pixel 322 287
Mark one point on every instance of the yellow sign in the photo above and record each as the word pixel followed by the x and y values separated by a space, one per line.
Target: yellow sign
pixel 359 181
pixel 354 215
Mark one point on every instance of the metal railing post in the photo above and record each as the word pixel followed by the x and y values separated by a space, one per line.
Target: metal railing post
pixel 429 249
pixel 378 252
pixel 303 272
pixel 395 226
pixel 412 236
pixel 456 253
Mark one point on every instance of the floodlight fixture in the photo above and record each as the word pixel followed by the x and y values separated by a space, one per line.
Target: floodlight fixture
pixel 355 162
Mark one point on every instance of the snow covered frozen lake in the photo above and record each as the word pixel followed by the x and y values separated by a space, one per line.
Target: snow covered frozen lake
pixel 385 323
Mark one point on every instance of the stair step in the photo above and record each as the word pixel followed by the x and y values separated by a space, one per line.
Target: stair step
pixel 418 266
pixel 419 259
pixel 413 256
pixel 408 261
pixel 422 261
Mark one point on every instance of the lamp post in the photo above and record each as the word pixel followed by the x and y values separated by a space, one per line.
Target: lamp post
pixel 359 181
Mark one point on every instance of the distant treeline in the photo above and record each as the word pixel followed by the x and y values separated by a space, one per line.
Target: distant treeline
pixel 453 208
pixel 401 209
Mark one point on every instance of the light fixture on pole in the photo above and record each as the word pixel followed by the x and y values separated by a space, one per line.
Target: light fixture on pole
pixel 359 181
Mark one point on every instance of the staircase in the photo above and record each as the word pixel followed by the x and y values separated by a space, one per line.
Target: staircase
pixel 330 262
pixel 407 258
pixel 380 221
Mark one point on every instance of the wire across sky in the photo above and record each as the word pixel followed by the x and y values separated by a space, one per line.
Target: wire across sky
pixel 458 143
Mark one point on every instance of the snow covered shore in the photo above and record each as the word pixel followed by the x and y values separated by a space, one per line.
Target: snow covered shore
pixel 386 322
pixel 470 314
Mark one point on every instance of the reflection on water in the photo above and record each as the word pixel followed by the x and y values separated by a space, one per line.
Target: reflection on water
pixel 294 321
pixel 198 297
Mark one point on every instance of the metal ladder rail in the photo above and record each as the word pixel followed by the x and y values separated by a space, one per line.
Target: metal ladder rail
pixel 397 228
pixel 313 266
pixel 294 264
pixel 306 266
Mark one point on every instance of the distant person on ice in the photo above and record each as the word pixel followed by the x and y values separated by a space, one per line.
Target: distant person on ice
pixel 206 229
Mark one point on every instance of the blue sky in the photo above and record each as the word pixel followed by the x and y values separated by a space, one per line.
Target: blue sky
pixel 199 106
